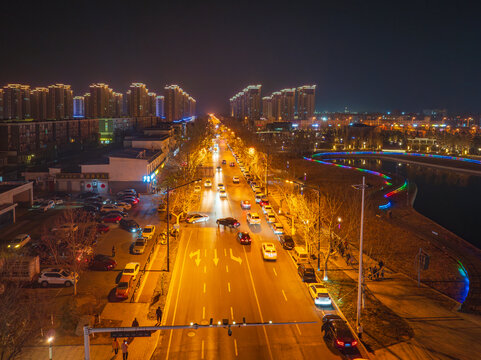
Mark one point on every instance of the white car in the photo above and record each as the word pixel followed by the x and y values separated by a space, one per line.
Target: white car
pixel 47 204
pixel 65 228
pixel 132 269
pixel 110 207
pixel 253 218
pixel 56 277
pixel 267 209
pixel 208 183
pixel 269 251
pixel 235 179
pixel 319 294
pixel 271 217
pixel 123 205
pixel 139 246
pixel 222 194
pixel 220 186
pixel 195 218
pixel 148 232
pixel 278 228
pixel 18 241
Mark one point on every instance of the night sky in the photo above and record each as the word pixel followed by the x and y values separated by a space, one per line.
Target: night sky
pixel 367 55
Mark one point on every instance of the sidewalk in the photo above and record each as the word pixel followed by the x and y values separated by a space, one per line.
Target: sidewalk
pixel 440 331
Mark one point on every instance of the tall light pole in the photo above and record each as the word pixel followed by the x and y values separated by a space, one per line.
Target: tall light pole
pixel 361 187
pixel 168 218
pixel 50 350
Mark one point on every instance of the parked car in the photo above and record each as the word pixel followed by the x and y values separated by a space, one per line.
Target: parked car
pixel 123 287
pixel 253 218
pixel 319 294
pixel 65 228
pixel 245 204
pixel 124 205
pixel 110 207
pixel 52 276
pixel 148 232
pixel 195 218
pixel 229 222
pixel 131 269
pixel 269 251
pixel 278 228
pixel 235 179
pixel 287 242
pixel 47 204
pixel 129 225
pixel 112 218
pixel 122 214
pixel 267 208
pixel 102 262
pixel 139 246
pixel 103 228
pixel 244 238
pixel 263 202
pixel 18 242
pixel 337 330
pixel 271 218
pixel 307 273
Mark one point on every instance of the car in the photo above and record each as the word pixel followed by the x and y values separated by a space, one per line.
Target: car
pixel 235 179
pixel 47 204
pixel 102 262
pixel 123 205
pixel 247 174
pixel 112 218
pixel 287 242
pixel 320 294
pixel 219 169
pixel 37 203
pixel 132 269
pixel 253 218
pixel 148 232
pixel 195 218
pixel 256 188
pixel 91 208
pixel 58 201
pixel 55 276
pixel 19 242
pixel 307 273
pixel 123 287
pixel 162 208
pixel 271 217
pixel 130 225
pixel 269 251
pixel 132 200
pixel 278 228
pixel 224 162
pixel 259 196
pixel 139 246
pixel 263 202
pixel 65 228
pixel 222 194
pixel 232 164
pixel 220 186
pixel 208 183
pixel 103 228
pixel 122 214
pixel 244 238
pixel 267 208
pixel 338 331
pixel 229 222
pixel 110 207
pixel 197 188
pixel 246 204
pixel 127 192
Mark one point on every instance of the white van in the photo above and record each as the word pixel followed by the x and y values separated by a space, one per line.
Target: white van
pixel 300 255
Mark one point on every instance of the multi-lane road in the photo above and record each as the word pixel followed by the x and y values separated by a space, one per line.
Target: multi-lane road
pixel 216 277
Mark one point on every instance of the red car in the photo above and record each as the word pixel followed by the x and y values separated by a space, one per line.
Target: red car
pixel 112 218
pixel 263 202
pixel 246 204
pixel 103 228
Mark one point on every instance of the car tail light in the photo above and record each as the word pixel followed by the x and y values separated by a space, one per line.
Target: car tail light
pixel 354 343
pixel 340 343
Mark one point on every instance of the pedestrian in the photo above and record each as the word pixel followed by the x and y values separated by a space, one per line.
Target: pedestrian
pixel 113 251
pixel 382 273
pixel 348 258
pixel 125 350
pixel 158 312
pixel 135 323
pixel 381 264
pixel 375 272
pixel 115 346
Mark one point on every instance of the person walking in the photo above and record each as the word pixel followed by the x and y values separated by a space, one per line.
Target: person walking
pixel 115 346
pixel 135 323
pixel 381 264
pixel 113 251
pixel 125 350
pixel 158 312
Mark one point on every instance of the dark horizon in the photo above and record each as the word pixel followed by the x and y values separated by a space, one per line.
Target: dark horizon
pixel 373 56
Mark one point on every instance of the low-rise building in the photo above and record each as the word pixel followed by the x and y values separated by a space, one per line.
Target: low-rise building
pixel 13 194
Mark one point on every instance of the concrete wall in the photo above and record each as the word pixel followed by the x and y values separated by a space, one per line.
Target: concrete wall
pixel 126 169
pixel 22 194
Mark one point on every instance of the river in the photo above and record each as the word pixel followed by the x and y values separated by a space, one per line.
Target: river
pixel 449 198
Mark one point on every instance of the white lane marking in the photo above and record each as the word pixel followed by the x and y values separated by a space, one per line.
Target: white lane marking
pixel 202 355
pixel 235 258
pixel 258 305
pixel 203 312
pixel 232 313
pixel 298 329
pixel 225 252
pixel 274 271
pixel 177 298
pixel 205 287
pixel 216 259
pixel 283 293
pixel 197 256
pixel 205 269
pixel 228 286
pixel 227 268
pixel 205 252
pixel 235 347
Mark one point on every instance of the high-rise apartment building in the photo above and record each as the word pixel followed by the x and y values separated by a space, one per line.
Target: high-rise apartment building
pixel 159 106
pixel 79 107
pixel 1 103
pixel 178 105
pixel 152 104
pixel 16 102
pixel 267 107
pixel 100 104
pixel 116 105
pixel 288 104
pixel 277 105
pixel 246 105
pixel 59 102
pixel 87 106
pixel 39 101
pixel 306 102
pixel 138 101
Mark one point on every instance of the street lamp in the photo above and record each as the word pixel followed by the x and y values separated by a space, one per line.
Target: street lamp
pixel 168 218
pixel 339 222
pixel 361 187
pixel 50 352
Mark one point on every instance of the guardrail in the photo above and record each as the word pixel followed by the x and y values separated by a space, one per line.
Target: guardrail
pixel 143 271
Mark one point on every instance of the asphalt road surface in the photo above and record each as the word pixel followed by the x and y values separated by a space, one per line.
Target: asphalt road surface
pixel 216 277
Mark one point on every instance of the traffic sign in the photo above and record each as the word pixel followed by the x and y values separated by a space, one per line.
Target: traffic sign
pixel 129 334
